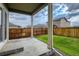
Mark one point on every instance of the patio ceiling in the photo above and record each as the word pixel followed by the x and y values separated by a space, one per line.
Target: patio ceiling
pixel 25 8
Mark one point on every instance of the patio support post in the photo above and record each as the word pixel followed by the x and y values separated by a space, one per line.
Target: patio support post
pixel 32 26
pixel 50 26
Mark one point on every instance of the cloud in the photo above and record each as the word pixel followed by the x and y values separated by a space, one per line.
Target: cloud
pixel 60 10
pixel 74 19
pixel 18 16
pixel 19 19
pixel 67 10
pixel 72 6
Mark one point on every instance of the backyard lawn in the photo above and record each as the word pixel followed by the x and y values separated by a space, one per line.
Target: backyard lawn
pixel 65 45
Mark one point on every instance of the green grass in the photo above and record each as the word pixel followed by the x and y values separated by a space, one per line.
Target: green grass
pixel 66 45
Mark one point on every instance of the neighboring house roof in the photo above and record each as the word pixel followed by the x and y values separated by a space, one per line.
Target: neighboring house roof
pixel 29 26
pixel 40 26
pixel 61 19
pixel 13 25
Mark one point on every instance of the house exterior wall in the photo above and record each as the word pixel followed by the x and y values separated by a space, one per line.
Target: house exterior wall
pixel 64 23
pixel 57 23
pixel 61 23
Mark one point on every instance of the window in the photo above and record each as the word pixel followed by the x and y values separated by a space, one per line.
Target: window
pixel 20 25
pixel 17 20
pixel 40 25
pixel 66 36
pixel 0 25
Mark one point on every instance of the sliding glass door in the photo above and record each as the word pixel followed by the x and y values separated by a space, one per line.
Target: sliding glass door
pixel 0 24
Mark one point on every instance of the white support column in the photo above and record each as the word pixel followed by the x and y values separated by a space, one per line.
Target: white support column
pixel 50 26
pixel 31 26
pixel 7 25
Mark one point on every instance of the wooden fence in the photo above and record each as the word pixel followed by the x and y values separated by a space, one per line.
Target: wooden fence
pixel 25 32
pixel 72 32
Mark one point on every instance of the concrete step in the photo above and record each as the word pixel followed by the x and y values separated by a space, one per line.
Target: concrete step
pixel 14 51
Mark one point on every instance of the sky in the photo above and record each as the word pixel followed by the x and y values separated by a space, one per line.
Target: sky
pixel 65 10
pixel 41 17
pixel 25 20
pixel 68 10
pixel 19 19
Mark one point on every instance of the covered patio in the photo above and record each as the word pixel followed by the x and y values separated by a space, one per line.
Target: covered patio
pixel 31 46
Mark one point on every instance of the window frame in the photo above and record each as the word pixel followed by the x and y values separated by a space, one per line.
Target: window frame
pixel 5 25
pixel 1 23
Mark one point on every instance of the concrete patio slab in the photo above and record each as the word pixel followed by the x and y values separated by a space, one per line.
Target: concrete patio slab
pixel 32 47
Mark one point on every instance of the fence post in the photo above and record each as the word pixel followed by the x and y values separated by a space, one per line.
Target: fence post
pixel 50 26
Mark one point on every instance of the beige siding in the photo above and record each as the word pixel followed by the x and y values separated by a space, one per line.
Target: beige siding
pixel 57 23
pixel 61 23
pixel 64 23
